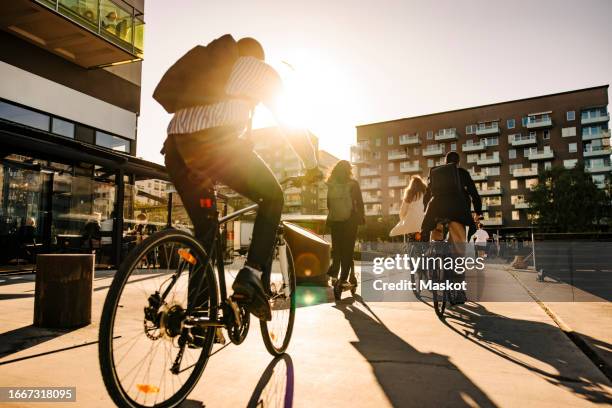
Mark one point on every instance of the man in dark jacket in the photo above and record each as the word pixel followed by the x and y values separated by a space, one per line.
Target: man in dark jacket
pixel 451 200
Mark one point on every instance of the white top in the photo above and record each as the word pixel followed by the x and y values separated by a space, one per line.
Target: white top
pixel 411 218
pixel 481 236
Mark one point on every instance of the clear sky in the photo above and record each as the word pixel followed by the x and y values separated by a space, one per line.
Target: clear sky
pixel 366 61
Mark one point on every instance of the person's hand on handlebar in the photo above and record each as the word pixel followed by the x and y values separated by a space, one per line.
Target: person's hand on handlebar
pixel 312 176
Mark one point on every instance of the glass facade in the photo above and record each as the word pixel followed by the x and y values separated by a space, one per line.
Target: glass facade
pixel 60 210
pixel 23 116
pixel 112 142
pixel 116 21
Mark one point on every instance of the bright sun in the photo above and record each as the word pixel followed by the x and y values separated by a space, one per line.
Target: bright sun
pixel 316 96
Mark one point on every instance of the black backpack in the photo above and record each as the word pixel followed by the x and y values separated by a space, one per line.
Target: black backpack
pixel 199 77
pixel 445 180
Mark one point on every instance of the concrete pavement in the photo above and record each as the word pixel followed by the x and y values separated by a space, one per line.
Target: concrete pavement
pixel 343 353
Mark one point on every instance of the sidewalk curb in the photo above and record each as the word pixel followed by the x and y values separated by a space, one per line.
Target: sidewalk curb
pixel 576 338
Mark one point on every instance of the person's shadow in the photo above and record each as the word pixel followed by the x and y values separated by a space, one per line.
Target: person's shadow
pixel 408 377
pixel 506 337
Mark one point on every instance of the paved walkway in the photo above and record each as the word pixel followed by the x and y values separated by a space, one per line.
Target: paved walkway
pixel 344 354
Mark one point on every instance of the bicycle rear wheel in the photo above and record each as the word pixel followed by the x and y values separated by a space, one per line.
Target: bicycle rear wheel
pixel 148 355
pixel 281 285
pixel 440 297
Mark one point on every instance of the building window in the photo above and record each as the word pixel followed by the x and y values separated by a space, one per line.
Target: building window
pixel 547 134
pixel 510 124
pixel 429 134
pixel 376 155
pixel 24 116
pixel 570 164
pixel 512 153
pixel 514 184
pixel 492 171
pixel 390 140
pixel 491 141
pixel 112 142
pixel 453 147
pixel 531 183
pixel 470 129
pixel 547 165
pixel 416 150
pixel 430 163
pixel 377 142
pixel 570 115
pixel 524 121
pixel 391 166
pixel 532 134
pixel 62 128
pixel 516 216
pixel 568 131
pixel 84 134
pixel 573 147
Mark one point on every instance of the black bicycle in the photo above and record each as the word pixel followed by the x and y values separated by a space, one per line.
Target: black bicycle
pixel 442 279
pixel 167 306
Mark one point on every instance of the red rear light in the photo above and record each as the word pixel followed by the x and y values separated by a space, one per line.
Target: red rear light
pixel 206 202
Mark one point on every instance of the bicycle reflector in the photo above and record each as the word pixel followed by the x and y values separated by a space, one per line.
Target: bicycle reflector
pixel 206 202
pixel 183 253
pixel 147 389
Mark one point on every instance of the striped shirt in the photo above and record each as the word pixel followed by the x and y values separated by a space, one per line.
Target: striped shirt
pixel 250 82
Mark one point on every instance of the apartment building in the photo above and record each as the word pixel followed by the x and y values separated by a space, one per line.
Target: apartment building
pixel 504 146
pixel 69 105
pixel 274 149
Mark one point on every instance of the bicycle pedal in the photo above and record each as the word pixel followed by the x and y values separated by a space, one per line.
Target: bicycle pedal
pixel 235 309
pixel 219 337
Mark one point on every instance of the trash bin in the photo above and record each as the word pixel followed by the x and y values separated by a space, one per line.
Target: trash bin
pixel 311 255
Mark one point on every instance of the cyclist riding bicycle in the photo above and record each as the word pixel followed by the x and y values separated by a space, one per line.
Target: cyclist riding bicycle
pixel 449 196
pixel 207 143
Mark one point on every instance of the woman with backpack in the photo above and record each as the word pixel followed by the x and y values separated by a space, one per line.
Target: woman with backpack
pixel 346 213
pixel 411 212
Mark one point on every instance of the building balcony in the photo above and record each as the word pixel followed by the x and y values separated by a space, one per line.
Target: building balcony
pixel 599 168
pixel 527 172
pixel 410 167
pixel 523 140
pixel 474 147
pixel 490 191
pixel 596 118
pixel 293 202
pixel 478 176
pixel 484 129
pixel 592 151
pixel 598 135
pixel 492 221
pixel 541 155
pixel 369 184
pixel 520 205
pixel 373 212
pixel 82 32
pixel 433 150
pixel 396 155
pixel 446 134
pixel 369 172
pixel 397 182
pixel 370 198
pixel 409 140
pixel 488 160
pixel 539 123
pixel 394 210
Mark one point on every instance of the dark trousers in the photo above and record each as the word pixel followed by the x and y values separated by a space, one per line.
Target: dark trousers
pixel 344 234
pixel 218 155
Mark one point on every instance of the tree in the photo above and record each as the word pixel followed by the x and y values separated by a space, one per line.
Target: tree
pixel 567 200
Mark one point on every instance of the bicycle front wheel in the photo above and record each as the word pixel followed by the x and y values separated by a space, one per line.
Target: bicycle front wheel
pixel 149 354
pixel 281 285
